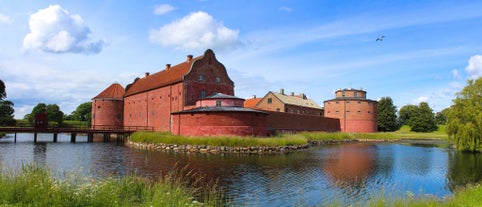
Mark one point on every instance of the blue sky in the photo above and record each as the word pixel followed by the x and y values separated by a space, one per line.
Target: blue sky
pixel 66 52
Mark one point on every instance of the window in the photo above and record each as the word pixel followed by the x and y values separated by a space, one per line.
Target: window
pixel 356 94
pixel 203 93
pixel 270 100
pixel 343 94
pixel 201 77
pixel 277 109
pixel 218 80
pixel 218 102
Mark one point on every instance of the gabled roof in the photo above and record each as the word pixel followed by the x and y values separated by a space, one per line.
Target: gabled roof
pixel 114 91
pixel 252 102
pixel 296 100
pixel 171 75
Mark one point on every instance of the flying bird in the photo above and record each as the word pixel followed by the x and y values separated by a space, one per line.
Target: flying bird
pixel 380 38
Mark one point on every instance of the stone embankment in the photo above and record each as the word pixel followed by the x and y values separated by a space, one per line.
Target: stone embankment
pixel 233 150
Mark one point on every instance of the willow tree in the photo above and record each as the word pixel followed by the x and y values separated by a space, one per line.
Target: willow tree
pixel 464 124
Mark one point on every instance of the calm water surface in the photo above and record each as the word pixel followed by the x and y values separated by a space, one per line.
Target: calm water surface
pixel 345 173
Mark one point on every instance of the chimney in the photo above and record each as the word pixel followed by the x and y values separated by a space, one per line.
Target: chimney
pixel 189 58
pixel 254 96
pixel 292 93
pixel 168 66
pixel 282 91
pixel 147 74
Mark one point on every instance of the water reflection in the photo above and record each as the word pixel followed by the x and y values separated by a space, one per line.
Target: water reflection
pixel 351 164
pixel 313 177
pixel 40 152
pixel 464 168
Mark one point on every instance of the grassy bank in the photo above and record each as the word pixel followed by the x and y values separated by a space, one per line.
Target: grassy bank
pixel 34 186
pixel 167 138
pixel 281 140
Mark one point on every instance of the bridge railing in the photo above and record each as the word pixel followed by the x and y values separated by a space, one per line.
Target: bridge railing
pixel 125 128
pixel 79 129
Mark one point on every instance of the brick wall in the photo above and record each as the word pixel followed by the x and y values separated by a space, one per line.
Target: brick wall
pixel 219 123
pixel 107 113
pixel 354 115
pixel 286 122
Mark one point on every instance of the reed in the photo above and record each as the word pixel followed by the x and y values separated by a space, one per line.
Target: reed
pixel 34 186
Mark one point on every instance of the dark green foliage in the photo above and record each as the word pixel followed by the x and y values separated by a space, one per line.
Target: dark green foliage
pixel 83 112
pixel 3 92
pixel 423 120
pixel 464 125
pixel 405 113
pixel 54 114
pixel 387 115
pixel 6 113
pixel 441 116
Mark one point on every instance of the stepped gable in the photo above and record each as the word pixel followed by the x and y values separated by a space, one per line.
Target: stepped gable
pixel 296 100
pixel 114 91
pixel 168 76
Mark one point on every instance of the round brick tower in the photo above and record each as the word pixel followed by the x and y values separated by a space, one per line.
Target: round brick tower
pixel 355 111
pixel 108 108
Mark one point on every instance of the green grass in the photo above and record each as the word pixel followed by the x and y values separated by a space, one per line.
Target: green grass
pixel 34 186
pixel 167 138
pixel 282 140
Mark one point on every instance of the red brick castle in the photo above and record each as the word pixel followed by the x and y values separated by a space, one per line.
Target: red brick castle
pixel 196 97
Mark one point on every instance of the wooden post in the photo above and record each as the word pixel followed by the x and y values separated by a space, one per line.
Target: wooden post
pixel 72 137
pixel 35 137
pixel 90 137
pixel 55 137
pixel 106 137
pixel 15 138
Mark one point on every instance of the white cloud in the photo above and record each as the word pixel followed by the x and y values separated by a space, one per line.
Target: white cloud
pixel 162 9
pixel 474 69
pixel 4 19
pixel 422 99
pixel 55 30
pixel 198 30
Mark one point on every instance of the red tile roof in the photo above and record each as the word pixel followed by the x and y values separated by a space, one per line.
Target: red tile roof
pixel 171 75
pixel 114 91
pixel 252 102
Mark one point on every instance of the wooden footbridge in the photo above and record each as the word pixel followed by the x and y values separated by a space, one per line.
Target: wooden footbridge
pixel 107 132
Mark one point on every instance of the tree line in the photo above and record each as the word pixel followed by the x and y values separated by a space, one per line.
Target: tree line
pixel 463 118
pixel 419 118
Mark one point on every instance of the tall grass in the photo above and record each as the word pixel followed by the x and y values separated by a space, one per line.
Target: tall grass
pixel 34 186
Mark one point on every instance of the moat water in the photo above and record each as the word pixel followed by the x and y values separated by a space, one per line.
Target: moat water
pixel 346 173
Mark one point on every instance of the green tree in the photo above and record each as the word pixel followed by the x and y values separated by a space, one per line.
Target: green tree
pixel 82 112
pixel 464 125
pixel 54 114
pixel 405 113
pixel 387 115
pixel 441 116
pixel 423 120
pixel 3 92
pixel 6 113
